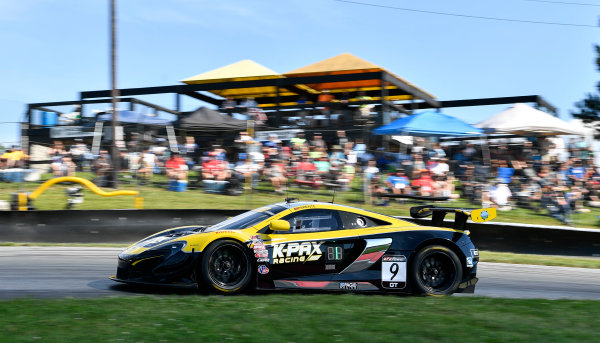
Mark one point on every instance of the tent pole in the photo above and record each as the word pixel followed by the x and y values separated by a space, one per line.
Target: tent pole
pixel 485 151
pixel 114 93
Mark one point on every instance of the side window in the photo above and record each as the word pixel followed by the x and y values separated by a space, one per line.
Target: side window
pixel 313 221
pixel 359 221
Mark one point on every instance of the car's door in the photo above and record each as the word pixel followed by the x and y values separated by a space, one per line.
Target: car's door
pixel 307 248
pixel 323 242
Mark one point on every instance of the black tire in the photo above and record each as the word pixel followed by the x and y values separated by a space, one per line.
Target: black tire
pixel 226 267
pixel 436 270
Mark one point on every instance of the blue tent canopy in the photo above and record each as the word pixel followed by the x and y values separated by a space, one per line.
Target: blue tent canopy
pixel 135 117
pixel 429 123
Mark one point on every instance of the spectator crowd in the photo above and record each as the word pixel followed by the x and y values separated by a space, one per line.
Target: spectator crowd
pixel 536 174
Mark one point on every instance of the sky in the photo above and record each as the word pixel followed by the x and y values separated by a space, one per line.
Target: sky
pixel 52 50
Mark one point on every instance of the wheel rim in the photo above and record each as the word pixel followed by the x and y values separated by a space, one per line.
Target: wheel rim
pixel 228 266
pixel 437 272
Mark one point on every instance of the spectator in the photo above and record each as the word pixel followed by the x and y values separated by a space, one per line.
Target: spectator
pixel 176 167
pixel 500 196
pixel 554 201
pixel 443 187
pixel 399 183
pixel 318 141
pixel 441 168
pixel 68 167
pixel 103 167
pixel 147 165
pixel 423 183
pixel 277 175
pixel 215 169
pixel 248 171
pixel 15 157
pixel 322 165
pixel 371 170
pixel 77 151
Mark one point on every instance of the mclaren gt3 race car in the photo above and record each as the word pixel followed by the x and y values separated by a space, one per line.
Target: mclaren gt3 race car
pixel 312 245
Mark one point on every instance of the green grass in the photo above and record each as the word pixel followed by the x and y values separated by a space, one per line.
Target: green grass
pixel 298 318
pixel 157 197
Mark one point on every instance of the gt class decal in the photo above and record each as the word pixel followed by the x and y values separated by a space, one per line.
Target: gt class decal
pixel 296 252
pixel 393 271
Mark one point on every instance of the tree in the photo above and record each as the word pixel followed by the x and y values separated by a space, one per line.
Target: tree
pixel 589 108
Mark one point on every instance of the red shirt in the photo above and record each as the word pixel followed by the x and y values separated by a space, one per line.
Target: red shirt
pixel 424 182
pixel 212 166
pixel 307 166
pixel 174 163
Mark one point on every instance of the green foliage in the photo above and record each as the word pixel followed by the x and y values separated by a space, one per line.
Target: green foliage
pixel 589 108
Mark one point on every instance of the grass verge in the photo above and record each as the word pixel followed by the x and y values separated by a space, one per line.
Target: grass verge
pixel 299 318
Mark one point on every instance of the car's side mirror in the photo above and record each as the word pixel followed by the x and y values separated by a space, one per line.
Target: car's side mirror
pixel 279 225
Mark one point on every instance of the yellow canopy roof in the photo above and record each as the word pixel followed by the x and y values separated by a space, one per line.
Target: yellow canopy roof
pixel 347 63
pixel 244 70
pixel 340 64
pixel 238 71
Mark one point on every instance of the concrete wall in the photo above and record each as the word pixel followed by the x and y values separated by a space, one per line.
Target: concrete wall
pixel 127 226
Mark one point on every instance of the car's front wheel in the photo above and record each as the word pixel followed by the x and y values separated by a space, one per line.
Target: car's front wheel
pixel 226 267
pixel 436 270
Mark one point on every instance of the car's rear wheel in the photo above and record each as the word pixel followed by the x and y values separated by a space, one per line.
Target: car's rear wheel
pixel 436 270
pixel 226 267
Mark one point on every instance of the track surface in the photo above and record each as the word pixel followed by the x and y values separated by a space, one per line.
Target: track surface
pixel 55 272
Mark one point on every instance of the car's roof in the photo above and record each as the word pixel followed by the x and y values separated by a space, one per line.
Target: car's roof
pixel 292 204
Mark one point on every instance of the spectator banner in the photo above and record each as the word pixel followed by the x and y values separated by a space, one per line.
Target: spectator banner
pixel 71 131
pixel 282 135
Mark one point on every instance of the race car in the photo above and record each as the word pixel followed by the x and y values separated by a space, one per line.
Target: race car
pixel 312 245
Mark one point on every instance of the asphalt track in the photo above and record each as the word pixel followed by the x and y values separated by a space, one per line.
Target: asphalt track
pixel 56 272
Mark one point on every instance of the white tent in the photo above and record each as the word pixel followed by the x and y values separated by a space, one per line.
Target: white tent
pixel 525 120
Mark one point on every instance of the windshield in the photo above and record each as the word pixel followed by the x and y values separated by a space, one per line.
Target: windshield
pixel 246 219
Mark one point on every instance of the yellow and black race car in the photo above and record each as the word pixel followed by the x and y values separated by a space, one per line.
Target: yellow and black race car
pixel 312 245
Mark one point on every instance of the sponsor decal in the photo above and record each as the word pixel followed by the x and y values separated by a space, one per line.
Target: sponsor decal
pixel 303 207
pixel 397 258
pixel 330 267
pixel 393 271
pixel 347 285
pixel 475 252
pixel 484 215
pixel 470 262
pixel 262 269
pixel 260 250
pixel 297 252
pixel 261 254
pixel 335 253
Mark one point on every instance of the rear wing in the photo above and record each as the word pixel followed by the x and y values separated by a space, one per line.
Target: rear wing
pixel 460 215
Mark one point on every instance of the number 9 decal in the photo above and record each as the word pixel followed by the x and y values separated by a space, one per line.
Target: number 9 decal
pixel 393 271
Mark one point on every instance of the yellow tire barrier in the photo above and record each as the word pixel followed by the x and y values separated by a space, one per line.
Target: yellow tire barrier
pixel 89 184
